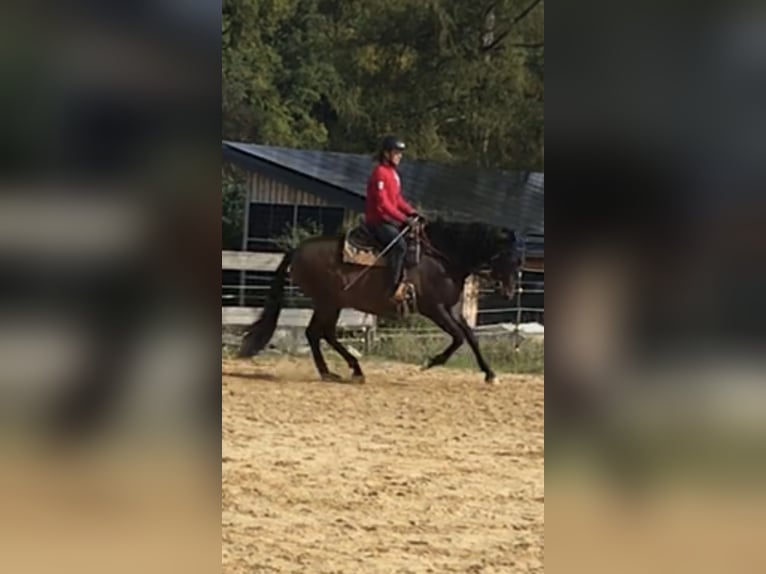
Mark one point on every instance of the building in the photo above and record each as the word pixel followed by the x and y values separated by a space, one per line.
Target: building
pixel 288 187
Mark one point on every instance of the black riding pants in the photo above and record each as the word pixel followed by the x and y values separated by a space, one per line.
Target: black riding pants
pixel 385 233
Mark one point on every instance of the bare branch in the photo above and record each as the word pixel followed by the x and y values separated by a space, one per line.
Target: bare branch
pixel 525 11
pixel 516 20
pixel 489 8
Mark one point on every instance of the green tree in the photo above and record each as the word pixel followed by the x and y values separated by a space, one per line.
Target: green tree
pixel 232 208
pixel 460 81
pixel 273 72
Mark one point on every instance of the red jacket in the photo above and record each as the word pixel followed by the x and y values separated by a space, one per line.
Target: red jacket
pixel 384 197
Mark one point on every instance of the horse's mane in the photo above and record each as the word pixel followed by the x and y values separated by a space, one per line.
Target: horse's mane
pixel 469 243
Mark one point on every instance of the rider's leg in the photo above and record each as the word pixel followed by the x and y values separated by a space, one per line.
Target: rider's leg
pixel 386 233
pixel 398 253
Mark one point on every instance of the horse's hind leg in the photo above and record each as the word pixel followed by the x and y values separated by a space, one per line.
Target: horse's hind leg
pixel 314 332
pixel 330 336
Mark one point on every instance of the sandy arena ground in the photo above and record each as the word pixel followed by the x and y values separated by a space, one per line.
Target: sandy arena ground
pixel 411 472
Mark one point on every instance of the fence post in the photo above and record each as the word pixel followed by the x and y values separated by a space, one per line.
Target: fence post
pixel 245 236
pixel 366 340
pixel 470 300
pixel 519 291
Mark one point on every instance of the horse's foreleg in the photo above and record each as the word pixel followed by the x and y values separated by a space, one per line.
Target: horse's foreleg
pixel 489 375
pixel 441 316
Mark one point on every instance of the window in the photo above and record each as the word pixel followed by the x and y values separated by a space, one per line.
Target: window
pixel 329 219
pixel 270 221
pixel 267 222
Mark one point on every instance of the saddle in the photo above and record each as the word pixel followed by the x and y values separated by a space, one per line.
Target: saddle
pixel 361 248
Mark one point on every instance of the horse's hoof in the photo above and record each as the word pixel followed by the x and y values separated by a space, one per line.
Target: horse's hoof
pixel 358 379
pixel 331 377
pixel 490 378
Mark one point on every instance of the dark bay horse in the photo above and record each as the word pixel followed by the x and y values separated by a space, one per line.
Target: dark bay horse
pixel 451 252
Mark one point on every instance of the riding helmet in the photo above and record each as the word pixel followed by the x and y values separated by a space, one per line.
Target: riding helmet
pixel 392 142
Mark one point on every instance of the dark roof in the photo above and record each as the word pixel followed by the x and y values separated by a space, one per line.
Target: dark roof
pixel 505 198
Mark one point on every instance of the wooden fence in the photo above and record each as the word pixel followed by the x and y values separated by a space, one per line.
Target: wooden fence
pixel 350 319
pixel 288 318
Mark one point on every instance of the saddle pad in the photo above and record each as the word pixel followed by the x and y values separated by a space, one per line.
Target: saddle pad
pixel 358 256
pixel 360 248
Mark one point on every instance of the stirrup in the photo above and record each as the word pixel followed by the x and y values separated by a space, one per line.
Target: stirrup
pixel 401 292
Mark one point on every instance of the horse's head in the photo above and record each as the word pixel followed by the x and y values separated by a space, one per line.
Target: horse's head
pixel 504 264
pixel 476 246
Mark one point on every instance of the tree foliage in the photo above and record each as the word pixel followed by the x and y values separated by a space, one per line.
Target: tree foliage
pixel 459 81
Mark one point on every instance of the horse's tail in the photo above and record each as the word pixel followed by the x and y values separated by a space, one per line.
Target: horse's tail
pixel 260 333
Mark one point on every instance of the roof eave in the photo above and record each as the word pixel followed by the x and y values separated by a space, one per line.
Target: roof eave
pixel 331 193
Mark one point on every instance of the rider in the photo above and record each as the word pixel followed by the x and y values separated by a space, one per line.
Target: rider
pixel 386 212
